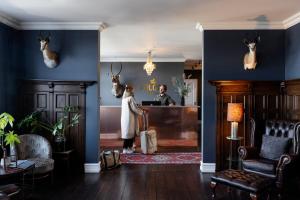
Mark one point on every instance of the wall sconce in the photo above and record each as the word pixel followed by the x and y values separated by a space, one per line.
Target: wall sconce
pixel 235 113
pixel 149 66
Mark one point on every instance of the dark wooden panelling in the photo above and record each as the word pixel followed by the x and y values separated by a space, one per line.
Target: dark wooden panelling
pixel 261 99
pixel 51 97
pixel 292 99
pixel 230 92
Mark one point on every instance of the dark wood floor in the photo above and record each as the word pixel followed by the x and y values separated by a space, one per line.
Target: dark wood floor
pixel 136 182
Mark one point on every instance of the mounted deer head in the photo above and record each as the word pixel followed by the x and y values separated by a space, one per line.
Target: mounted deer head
pixel 250 60
pixel 117 88
pixel 51 58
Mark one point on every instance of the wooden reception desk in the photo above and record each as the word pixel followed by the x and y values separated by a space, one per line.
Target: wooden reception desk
pixel 170 122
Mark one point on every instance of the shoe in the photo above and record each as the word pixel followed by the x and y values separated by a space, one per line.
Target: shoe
pixel 130 150
pixel 133 149
pixel 124 150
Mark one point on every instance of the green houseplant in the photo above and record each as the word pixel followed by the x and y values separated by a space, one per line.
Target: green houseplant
pixel 7 137
pixel 35 122
pixel 182 88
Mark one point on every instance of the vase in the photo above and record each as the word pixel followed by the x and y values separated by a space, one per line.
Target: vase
pixel 182 101
pixel 13 155
pixel 4 160
pixel 60 143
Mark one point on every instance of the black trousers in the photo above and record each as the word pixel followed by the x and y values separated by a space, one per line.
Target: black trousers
pixel 128 143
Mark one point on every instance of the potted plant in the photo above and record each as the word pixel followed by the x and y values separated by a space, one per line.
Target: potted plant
pixel 62 124
pixel 182 88
pixel 35 122
pixel 7 137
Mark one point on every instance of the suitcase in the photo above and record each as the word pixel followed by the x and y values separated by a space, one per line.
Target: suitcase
pixel 148 138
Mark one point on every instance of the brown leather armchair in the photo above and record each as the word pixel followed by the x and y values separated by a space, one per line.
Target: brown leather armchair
pixel 257 159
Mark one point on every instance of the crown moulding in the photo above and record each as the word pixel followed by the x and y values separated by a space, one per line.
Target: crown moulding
pixel 52 25
pixel 291 21
pixel 63 26
pixel 243 25
pixel 9 21
pixel 250 25
pixel 238 25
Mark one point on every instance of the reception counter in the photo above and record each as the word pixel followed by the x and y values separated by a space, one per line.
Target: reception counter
pixel 170 122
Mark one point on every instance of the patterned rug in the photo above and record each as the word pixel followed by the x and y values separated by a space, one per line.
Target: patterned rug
pixel 161 158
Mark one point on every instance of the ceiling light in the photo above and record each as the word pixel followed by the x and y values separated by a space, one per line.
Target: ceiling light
pixel 149 66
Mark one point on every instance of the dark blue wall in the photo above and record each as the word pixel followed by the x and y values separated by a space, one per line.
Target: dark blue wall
pixel 134 74
pixel 78 54
pixel 223 60
pixel 8 68
pixel 292 52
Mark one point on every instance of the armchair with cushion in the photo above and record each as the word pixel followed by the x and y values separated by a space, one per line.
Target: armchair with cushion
pixel 277 156
pixel 37 149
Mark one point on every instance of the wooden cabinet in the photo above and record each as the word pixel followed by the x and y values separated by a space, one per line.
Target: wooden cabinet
pixel 51 97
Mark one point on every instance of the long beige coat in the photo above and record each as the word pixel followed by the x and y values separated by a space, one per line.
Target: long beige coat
pixel 129 118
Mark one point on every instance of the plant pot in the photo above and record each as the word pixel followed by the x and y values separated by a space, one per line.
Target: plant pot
pixel 5 161
pixel 13 155
pixel 59 143
pixel 182 101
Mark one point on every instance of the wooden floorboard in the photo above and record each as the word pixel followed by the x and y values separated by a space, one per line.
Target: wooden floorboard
pixel 136 182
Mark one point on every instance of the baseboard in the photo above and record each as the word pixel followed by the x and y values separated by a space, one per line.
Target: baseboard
pixel 92 167
pixel 207 167
pixel 110 136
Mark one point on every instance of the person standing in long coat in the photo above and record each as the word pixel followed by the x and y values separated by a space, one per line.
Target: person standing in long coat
pixel 129 119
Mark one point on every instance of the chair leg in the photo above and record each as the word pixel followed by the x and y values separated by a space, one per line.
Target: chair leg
pixel 279 192
pixel 51 177
pixel 229 191
pixel 213 186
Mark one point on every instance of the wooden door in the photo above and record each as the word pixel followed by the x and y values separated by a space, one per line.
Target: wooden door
pixel 51 97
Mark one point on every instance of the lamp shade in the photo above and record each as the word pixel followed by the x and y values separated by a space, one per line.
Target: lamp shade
pixel 235 112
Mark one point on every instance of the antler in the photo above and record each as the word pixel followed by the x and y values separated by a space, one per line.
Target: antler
pixel 120 69
pixel 40 37
pixel 111 69
pixel 48 37
pixel 246 41
pixel 257 38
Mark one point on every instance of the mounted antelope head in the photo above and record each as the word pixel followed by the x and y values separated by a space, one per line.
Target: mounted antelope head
pixel 51 58
pixel 250 60
pixel 117 88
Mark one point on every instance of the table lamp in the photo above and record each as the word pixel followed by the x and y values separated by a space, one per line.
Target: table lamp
pixel 234 115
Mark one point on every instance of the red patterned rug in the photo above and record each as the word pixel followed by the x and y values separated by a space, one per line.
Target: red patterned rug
pixel 161 158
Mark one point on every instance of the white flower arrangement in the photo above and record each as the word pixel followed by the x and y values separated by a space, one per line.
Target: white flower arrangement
pixel 182 88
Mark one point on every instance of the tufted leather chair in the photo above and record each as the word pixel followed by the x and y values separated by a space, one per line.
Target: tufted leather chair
pixel 277 169
pixel 37 149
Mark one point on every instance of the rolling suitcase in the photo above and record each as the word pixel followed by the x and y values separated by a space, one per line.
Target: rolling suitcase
pixel 148 138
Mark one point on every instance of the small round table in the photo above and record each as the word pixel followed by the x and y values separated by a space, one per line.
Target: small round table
pixel 233 158
pixel 64 157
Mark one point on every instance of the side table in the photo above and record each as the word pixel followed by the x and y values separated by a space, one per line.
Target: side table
pixel 64 159
pixel 233 158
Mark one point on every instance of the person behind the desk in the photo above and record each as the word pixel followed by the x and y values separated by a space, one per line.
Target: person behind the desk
pixel 163 97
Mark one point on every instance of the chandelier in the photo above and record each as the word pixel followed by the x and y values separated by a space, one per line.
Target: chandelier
pixel 149 66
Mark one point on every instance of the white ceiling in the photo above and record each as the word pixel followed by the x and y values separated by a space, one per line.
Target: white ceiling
pixel 135 26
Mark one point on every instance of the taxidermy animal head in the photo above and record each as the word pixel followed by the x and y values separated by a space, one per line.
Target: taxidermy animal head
pixel 117 88
pixel 51 58
pixel 250 60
